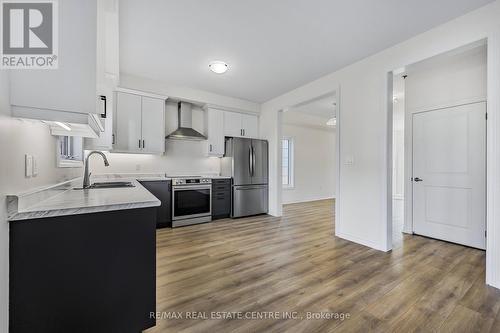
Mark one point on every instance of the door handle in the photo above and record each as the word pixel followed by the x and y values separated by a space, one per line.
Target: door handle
pixel 418 179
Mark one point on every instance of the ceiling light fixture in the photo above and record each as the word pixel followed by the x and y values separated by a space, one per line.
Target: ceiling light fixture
pixel 331 122
pixel 219 67
pixel 66 127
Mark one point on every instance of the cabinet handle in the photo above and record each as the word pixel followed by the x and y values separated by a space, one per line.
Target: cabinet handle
pixel 243 132
pixel 113 138
pixel 210 147
pixel 139 143
pixel 103 98
pixel 143 144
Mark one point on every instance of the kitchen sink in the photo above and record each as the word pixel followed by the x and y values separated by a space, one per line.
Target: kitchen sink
pixel 108 185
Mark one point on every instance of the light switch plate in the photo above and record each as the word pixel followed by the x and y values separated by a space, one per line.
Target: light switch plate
pixel 35 166
pixel 349 160
pixel 28 164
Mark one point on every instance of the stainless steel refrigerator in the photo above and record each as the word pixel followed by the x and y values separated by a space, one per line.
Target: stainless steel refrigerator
pixel 246 162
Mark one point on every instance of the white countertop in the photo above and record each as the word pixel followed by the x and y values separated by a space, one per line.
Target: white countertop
pixel 63 199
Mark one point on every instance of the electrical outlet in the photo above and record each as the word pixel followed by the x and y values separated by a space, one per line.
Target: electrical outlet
pixel 35 166
pixel 28 165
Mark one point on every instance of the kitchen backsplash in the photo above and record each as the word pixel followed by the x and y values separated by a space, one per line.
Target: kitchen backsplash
pixel 181 157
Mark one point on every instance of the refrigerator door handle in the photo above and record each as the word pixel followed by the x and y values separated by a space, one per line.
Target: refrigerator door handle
pixel 253 161
pixel 250 160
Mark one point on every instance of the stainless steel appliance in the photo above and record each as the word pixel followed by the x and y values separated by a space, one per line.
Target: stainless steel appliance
pixel 246 161
pixel 191 201
pixel 185 129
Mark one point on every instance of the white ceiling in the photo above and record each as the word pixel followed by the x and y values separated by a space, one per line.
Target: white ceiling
pixel 322 107
pixel 270 46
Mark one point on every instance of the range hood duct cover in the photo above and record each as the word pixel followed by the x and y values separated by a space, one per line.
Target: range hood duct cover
pixel 185 129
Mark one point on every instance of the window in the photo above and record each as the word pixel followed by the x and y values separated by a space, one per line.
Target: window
pixel 287 162
pixel 69 152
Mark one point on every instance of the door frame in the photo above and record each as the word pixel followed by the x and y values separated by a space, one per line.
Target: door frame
pixel 337 92
pixel 492 41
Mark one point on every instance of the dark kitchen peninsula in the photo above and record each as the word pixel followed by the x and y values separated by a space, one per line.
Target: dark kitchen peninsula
pixel 84 273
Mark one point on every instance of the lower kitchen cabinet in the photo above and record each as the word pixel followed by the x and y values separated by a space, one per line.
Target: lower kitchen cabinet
pixel 83 273
pixel 221 198
pixel 162 190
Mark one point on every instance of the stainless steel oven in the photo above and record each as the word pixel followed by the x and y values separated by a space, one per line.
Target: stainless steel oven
pixel 191 201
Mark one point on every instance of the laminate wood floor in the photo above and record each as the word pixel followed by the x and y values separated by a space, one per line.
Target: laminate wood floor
pixel 261 265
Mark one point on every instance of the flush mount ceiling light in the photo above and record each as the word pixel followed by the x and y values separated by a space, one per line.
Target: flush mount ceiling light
pixel 218 67
pixel 331 122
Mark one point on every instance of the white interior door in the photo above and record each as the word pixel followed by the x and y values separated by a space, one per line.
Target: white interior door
pixel 449 174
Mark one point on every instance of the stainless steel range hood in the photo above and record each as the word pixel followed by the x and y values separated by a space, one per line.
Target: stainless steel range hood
pixel 185 129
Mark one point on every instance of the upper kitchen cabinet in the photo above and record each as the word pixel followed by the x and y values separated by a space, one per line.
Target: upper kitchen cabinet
pixel 72 86
pixel 250 126
pixel 139 122
pixel 241 125
pixel 108 61
pixel 215 132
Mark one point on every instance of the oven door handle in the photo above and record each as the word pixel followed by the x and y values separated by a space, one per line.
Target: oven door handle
pixel 187 188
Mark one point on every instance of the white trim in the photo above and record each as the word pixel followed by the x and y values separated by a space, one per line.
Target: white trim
pixel 386 176
pixel 493 161
pixel 336 207
pixel 230 109
pixel 358 240
pixel 140 92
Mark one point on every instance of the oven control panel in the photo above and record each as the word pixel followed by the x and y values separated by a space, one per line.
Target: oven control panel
pixel 191 181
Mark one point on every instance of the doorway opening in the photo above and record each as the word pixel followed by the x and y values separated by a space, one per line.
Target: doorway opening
pixel 308 150
pixel 439 148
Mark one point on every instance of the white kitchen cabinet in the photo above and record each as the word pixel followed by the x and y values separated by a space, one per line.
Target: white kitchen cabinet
pixel 153 125
pixel 72 86
pixel 215 132
pixel 128 123
pixel 232 124
pixel 107 70
pixel 139 123
pixel 250 126
pixel 241 125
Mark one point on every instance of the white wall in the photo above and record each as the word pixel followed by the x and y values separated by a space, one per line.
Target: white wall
pixel 314 163
pixel 362 200
pixel 185 93
pixel 18 137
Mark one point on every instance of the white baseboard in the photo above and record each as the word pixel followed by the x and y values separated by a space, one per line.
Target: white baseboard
pixel 308 200
pixel 361 241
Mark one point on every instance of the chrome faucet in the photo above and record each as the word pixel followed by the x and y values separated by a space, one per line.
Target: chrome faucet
pixel 86 175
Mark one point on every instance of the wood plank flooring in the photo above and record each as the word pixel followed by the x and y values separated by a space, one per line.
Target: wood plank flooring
pixel 295 264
